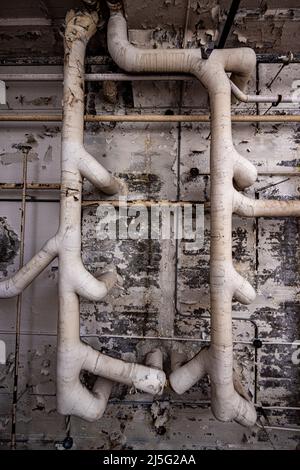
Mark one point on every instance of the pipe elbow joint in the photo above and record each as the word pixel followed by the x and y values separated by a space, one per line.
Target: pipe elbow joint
pixel 249 59
pixel 80 26
pixel 8 289
pixel 109 278
pixel 82 403
pixel 89 287
pixel 245 173
pixel 245 65
pixel 242 205
pixel 243 291
pixel 183 378
pixel 232 408
pixel 245 412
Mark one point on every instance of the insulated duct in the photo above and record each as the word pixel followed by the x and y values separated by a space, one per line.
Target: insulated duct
pixel 226 165
pixel 73 355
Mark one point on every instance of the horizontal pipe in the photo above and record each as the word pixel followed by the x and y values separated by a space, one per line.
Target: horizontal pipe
pixel 279 428
pixel 90 77
pixel 35 186
pixel 106 60
pixel 149 118
pixel 247 207
pixel 271 407
pixel 141 202
pixel 163 338
pixel 50 60
pixel 272 208
pixel 189 339
pixel 292 58
pixel 123 77
pixel 276 99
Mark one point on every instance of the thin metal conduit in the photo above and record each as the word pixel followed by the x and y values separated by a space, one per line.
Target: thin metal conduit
pixel 149 118
pixel 90 77
pixel 266 58
pixel 19 309
pixel 124 77
pixel 279 428
pixel 192 340
pixel 116 202
pixel 160 338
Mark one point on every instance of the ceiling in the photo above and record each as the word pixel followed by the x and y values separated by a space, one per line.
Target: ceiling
pixel 54 9
pixel 261 24
pixel 147 12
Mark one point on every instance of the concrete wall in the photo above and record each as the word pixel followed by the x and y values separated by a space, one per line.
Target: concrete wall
pixel 165 288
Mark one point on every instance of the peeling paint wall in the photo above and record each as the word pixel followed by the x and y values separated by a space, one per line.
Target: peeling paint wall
pixel 165 288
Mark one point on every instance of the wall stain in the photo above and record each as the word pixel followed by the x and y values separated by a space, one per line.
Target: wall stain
pixel 9 244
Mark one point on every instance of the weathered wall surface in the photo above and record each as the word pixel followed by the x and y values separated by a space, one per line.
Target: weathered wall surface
pixel 165 287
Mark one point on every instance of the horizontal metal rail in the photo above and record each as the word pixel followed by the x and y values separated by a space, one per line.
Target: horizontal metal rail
pixel 91 77
pixel 123 77
pixel 149 118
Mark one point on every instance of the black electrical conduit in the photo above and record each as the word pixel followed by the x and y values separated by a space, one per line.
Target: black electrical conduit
pixel 228 23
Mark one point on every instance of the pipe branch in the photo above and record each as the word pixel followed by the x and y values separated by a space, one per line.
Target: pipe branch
pixel 275 99
pixel 74 356
pixel 18 282
pixel 246 207
pixel 226 165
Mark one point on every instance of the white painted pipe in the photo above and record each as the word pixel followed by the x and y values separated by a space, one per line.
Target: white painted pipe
pixel 154 358
pixel 177 359
pixel 247 207
pixel 121 77
pixel 276 99
pixel 73 355
pixel 17 283
pixel 226 164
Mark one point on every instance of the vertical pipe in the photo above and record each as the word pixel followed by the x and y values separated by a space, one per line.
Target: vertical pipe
pixel 73 355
